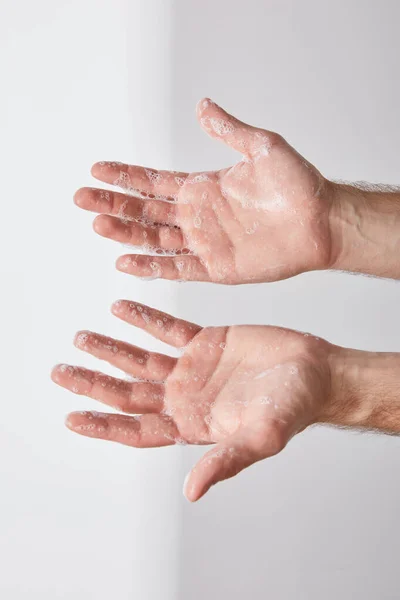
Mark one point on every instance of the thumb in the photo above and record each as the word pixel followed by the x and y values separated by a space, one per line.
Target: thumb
pixel 241 137
pixel 228 458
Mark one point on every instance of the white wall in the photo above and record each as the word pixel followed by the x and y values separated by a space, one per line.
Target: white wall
pixel 95 79
pixel 81 81
pixel 321 519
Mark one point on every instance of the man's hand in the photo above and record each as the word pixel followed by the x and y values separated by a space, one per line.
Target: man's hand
pixel 264 219
pixel 247 389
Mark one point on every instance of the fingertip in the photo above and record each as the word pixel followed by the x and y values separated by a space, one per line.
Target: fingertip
pixel 193 497
pixel 199 105
pixel 189 499
pixel 123 263
pixel 81 338
pixel 75 420
pixel 118 262
pixel 103 225
pixel 104 168
pixel 189 489
pixel 203 104
pixel 68 421
pixel 185 485
pixel 97 168
pixel 97 224
pixel 117 307
pixel 79 420
pixel 79 197
pixel 55 372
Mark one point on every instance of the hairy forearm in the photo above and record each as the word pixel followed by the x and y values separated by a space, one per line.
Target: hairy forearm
pixel 365 390
pixel 365 229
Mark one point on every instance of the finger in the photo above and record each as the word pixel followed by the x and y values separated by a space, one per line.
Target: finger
pixel 145 431
pixel 126 396
pixel 227 459
pixel 155 237
pixel 240 136
pixel 133 360
pixel 179 268
pixel 125 207
pixel 136 179
pixel 164 327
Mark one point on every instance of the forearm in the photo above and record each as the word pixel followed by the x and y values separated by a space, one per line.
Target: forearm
pixel 365 390
pixel 365 229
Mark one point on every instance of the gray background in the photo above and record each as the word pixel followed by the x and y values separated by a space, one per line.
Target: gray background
pixel 87 80
pixel 79 519
pixel 321 519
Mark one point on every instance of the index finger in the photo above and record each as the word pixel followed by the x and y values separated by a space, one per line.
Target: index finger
pixel 164 327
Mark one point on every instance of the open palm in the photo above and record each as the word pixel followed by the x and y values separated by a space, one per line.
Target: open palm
pixel 247 389
pixel 264 219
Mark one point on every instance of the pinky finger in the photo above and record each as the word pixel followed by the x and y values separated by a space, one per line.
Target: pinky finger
pixel 144 431
pixel 182 268
pixel 164 327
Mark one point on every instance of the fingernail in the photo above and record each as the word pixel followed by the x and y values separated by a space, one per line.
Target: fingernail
pixel 186 490
pixel 81 339
pixel 68 422
pixel 117 306
pixel 109 163
pixel 124 262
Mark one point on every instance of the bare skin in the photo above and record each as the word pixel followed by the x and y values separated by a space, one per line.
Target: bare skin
pixel 270 216
pixel 246 389
pixel 238 225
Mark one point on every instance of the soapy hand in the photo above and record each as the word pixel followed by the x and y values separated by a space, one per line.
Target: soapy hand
pixel 246 389
pixel 264 219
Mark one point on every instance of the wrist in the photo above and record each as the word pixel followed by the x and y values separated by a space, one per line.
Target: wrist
pixel 364 390
pixel 348 405
pixel 364 224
